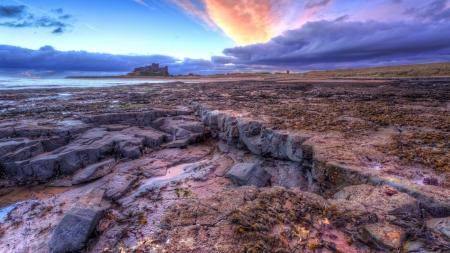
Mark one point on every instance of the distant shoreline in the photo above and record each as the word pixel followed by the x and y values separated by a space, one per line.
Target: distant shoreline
pixel 132 77
pixel 430 71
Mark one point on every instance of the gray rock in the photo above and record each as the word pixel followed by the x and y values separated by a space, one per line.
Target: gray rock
pixel 119 185
pixel 44 167
pixel 17 170
pixel 440 225
pixel 294 147
pixel 248 174
pixel 77 225
pixel 93 172
pixel 89 148
pixel 385 235
pixel 250 134
pixel 19 150
pixel 149 137
pixel 54 143
pixel 274 144
pixel 178 143
pixel 131 152
pixel 286 173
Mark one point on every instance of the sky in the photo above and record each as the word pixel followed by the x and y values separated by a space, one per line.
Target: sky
pixel 54 38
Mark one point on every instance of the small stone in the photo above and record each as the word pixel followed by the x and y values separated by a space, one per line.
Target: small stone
pixel 385 235
pixel 412 247
pixel 440 225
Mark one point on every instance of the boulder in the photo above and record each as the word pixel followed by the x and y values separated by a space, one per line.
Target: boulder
pixel 248 174
pixel 93 172
pixel 75 228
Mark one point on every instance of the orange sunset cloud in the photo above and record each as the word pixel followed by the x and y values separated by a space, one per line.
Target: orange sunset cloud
pixel 251 21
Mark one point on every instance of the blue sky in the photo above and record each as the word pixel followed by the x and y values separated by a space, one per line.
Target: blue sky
pixel 48 38
pixel 118 27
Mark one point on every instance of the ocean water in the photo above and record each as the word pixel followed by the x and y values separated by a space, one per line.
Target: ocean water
pixel 30 83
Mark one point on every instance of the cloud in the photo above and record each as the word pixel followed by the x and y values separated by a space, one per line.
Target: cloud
pixel 22 19
pixel 195 11
pixel 249 21
pixel 436 10
pixel 141 2
pixel 58 30
pixel 328 44
pixel 317 3
pixel 58 11
pixel 33 21
pixel 10 11
pixel 39 62
pixel 323 44
pixel 66 16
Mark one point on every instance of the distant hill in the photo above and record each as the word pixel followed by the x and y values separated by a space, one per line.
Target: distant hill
pixel 419 70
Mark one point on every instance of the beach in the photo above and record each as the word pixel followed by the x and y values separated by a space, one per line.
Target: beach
pixel 228 165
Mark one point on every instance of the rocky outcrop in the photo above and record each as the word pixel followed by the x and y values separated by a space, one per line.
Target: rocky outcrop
pixel 62 150
pixel 243 132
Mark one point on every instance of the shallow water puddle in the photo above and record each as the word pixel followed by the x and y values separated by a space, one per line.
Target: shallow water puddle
pixel 11 197
pixel 178 170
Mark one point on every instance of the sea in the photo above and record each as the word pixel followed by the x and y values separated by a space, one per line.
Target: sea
pixel 35 83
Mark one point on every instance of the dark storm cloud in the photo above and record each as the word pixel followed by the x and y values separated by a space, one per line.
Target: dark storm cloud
pixel 47 58
pixel 24 19
pixel 316 45
pixel 325 44
pixel 18 59
pixel 10 11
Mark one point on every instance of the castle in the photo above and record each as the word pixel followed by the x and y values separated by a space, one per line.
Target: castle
pixel 153 70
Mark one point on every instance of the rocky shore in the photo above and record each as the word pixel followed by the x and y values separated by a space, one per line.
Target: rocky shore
pixel 245 166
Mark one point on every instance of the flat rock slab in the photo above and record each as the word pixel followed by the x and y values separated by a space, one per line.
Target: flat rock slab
pixel 440 225
pixel 94 171
pixel 77 225
pixel 248 174
pixel 385 235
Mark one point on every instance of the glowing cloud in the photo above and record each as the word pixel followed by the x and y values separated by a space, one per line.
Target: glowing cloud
pixel 252 21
